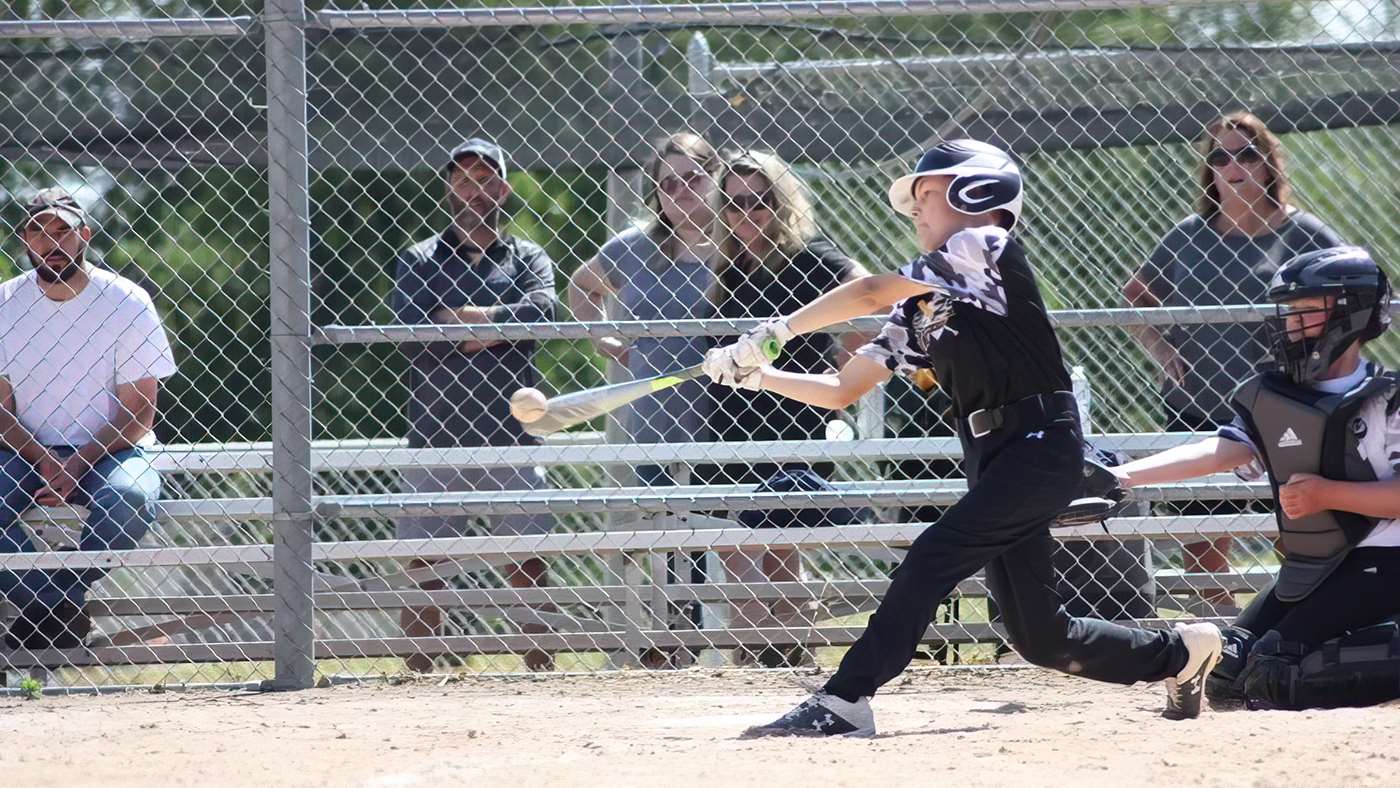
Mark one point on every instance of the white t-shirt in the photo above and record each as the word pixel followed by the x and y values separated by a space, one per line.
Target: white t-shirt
pixel 1379 445
pixel 65 359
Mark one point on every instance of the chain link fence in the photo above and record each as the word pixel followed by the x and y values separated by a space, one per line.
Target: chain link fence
pixel 327 482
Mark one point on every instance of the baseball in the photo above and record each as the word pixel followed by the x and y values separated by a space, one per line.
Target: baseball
pixel 528 405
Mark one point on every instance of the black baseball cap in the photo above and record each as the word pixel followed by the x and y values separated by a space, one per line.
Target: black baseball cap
pixel 483 149
pixel 55 200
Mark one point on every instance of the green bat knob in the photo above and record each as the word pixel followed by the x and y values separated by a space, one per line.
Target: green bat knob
pixel 772 349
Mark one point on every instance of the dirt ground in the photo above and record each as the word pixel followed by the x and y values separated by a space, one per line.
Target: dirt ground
pixel 937 727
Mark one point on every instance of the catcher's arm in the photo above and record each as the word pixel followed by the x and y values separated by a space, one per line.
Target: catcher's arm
pixel 1202 458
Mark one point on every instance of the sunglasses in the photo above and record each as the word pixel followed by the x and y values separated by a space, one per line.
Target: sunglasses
pixel 750 202
pixel 672 184
pixel 1246 155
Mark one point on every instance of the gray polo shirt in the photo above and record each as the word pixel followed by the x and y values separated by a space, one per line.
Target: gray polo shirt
pixel 462 399
pixel 1194 265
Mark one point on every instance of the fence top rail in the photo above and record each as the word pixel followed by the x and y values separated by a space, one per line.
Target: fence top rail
pixel 632 329
pixel 145 28
pixel 714 13
pixel 588 448
pixel 130 28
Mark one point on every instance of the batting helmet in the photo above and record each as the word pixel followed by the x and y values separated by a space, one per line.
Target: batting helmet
pixel 1360 309
pixel 985 178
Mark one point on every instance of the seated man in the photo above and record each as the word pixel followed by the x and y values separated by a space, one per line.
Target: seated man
pixel 1324 429
pixel 82 352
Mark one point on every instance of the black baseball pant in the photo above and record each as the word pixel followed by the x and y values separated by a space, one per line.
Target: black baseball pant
pixel 1363 590
pixel 1019 477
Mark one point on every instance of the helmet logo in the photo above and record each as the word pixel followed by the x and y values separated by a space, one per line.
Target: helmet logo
pixel 963 193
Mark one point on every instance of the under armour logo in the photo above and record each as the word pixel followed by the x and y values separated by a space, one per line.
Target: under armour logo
pixel 1289 439
pixel 1370 570
pixel 824 723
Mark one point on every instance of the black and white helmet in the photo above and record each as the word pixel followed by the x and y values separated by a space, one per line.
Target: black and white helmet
pixel 1359 308
pixel 985 179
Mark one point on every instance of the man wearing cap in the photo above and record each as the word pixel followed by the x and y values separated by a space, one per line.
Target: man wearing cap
pixel 472 273
pixel 82 354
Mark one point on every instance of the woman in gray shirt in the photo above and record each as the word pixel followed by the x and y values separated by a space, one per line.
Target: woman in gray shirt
pixel 663 269
pixel 1224 253
pixel 660 270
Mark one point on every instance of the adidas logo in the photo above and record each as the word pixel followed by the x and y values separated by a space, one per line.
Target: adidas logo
pixel 1289 439
pixel 1231 649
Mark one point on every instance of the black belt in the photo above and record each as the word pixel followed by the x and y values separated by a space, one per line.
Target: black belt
pixel 1033 411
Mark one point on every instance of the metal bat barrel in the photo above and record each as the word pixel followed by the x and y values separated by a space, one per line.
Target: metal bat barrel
pixel 568 410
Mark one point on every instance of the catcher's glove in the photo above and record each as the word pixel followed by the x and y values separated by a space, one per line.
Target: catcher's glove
pixel 1100 498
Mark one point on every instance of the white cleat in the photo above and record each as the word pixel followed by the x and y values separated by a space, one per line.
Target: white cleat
pixel 1185 689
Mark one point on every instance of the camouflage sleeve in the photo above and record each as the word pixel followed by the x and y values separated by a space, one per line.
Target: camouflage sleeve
pixel 893 347
pixel 965 268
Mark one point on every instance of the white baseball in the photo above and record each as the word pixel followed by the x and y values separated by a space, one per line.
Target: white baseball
pixel 528 405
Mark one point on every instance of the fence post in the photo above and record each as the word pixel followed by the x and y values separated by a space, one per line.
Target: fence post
pixel 289 230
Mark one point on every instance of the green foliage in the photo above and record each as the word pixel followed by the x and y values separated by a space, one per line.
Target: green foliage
pixel 31 688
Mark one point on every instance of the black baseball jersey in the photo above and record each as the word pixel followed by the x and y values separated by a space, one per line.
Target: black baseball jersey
pixel 983 330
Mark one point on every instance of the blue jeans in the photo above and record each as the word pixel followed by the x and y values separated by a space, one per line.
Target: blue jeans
pixel 120 494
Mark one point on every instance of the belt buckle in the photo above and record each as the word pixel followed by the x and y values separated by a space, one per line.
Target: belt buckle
pixel 972 424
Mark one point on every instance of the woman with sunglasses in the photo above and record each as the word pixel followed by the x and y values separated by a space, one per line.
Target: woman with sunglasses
pixel 775 262
pixel 1243 229
pixel 661 269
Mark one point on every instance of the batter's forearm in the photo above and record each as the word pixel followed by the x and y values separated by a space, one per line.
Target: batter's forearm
pixel 822 391
pixel 856 298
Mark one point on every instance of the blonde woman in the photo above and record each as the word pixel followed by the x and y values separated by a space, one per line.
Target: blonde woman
pixel 775 261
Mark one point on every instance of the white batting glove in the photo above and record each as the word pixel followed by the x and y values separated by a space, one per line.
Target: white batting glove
pixel 719 366
pixel 747 379
pixel 748 351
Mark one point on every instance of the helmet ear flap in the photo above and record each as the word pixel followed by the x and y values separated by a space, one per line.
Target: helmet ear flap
pixel 981 192
pixel 1380 313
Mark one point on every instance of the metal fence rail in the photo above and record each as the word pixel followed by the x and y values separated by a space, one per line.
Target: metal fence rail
pixel 263 171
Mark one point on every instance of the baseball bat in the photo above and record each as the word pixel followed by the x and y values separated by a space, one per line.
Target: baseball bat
pixel 567 410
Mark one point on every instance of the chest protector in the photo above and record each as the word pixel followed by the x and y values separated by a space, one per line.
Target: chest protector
pixel 1302 430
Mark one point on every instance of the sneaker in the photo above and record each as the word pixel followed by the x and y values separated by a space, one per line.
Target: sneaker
pixel 821 715
pixel 1185 689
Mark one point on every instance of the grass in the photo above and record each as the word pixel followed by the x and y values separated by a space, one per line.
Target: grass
pixel 31 688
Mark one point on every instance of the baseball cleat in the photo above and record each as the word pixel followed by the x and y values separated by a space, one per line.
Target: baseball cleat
pixel 1185 689
pixel 821 715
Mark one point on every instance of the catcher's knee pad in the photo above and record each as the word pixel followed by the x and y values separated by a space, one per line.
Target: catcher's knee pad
pixel 1361 668
pixel 1270 675
pixel 1224 688
pixel 1358 669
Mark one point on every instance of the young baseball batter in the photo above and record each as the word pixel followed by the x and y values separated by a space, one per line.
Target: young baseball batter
pixel 968 309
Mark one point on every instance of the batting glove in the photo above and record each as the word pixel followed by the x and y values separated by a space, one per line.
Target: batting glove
pixel 749 352
pixel 719 366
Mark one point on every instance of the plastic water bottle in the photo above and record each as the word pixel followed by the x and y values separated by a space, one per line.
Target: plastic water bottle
pixel 1083 396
